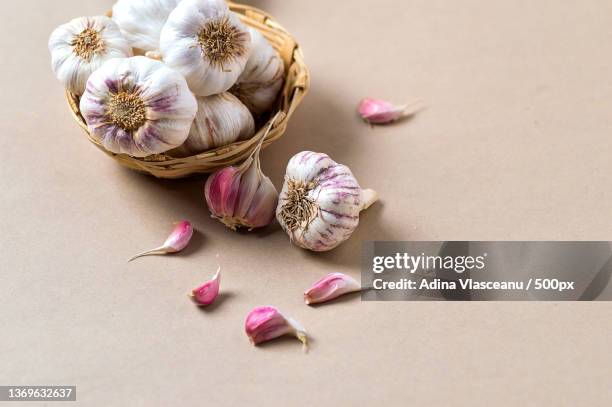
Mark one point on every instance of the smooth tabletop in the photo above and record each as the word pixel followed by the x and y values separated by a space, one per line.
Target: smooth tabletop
pixel 514 144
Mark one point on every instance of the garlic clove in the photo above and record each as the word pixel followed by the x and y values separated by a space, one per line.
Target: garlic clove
pixel 320 202
pixel 137 106
pixel 208 292
pixel 207 44
pixel 259 83
pixel 377 111
pixel 330 287
pixel 220 120
pixel 266 323
pixel 141 21
pixel 81 46
pixel 177 240
pixel 242 197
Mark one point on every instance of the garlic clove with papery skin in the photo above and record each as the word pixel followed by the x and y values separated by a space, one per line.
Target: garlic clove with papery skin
pixel 259 84
pixel 243 196
pixel 320 201
pixel 81 46
pixel 177 240
pixel 377 111
pixel 207 44
pixel 330 287
pixel 138 106
pixel 265 323
pixel 141 21
pixel 207 293
pixel 221 120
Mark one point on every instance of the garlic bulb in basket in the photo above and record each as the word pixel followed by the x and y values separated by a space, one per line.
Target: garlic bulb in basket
pixel 81 46
pixel 221 119
pixel 206 43
pixel 320 201
pixel 258 85
pixel 138 106
pixel 141 21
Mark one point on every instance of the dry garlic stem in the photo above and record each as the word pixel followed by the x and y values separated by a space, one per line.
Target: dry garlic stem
pixel 81 46
pixel 206 43
pixel 141 21
pixel 221 120
pixel 258 85
pixel 320 201
pixel 138 106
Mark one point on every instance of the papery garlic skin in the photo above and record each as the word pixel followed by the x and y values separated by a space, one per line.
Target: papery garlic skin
pixel 259 84
pixel 138 106
pixel 81 46
pixel 266 323
pixel 221 120
pixel 207 44
pixel 141 21
pixel 241 197
pixel 320 201
pixel 331 287
pixel 207 293
pixel 178 239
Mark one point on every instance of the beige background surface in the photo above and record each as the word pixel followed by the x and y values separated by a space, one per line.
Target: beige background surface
pixel 515 144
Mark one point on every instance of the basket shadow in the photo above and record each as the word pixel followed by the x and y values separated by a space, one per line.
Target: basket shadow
pixel 320 124
pixel 177 198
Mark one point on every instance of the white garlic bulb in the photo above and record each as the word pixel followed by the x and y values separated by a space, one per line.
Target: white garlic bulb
pixel 258 85
pixel 138 106
pixel 81 46
pixel 221 119
pixel 141 21
pixel 320 201
pixel 206 43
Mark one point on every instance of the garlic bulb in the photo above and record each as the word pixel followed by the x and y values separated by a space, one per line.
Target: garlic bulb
pixel 221 119
pixel 141 21
pixel 262 78
pixel 206 43
pixel 138 106
pixel 81 46
pixel 320 201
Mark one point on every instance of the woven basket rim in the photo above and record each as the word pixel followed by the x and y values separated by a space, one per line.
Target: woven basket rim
pixel 163 165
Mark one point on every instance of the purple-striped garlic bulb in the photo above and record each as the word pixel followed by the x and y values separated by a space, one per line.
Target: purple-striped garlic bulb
pixel 320 201
pixel 207 43
pixel 138 106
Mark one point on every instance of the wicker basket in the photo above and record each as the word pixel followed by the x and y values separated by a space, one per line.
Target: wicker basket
pixel 295 87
